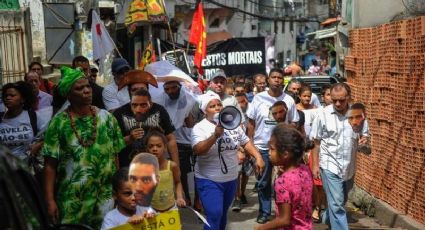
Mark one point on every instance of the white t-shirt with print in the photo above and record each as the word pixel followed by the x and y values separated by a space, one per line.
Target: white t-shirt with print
pixel 208 165
pixel 16 133
pixel 259 111
pixel 115 218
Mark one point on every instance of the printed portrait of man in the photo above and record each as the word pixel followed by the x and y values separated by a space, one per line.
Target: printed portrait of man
pixel 356 116
pixel 279 111
pixel 144 177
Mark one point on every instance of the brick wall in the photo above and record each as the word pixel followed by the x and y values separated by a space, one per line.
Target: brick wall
pixel 386 70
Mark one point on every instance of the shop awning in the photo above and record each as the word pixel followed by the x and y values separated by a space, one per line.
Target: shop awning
pixel 321 34
pixel 329 21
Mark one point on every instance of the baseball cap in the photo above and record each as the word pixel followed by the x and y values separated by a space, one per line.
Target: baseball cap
pixel 119 64
pixel 219 73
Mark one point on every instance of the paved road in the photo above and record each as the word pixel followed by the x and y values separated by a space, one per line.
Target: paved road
pixel 246 218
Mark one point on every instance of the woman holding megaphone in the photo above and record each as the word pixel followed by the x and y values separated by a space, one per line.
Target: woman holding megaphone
pixel 216 168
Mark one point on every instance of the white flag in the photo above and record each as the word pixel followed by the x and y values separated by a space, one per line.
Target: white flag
pixel 102 41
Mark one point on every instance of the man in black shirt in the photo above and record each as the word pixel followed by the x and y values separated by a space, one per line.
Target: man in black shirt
pixel 140 116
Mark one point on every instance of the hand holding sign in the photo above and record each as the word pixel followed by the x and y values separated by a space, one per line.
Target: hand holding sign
pixel 165 221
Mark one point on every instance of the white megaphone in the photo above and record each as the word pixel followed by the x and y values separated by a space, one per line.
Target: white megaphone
pixel 230 117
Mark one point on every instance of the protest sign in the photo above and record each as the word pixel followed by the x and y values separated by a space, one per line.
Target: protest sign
pixel 164 221
pixel 178 59
pixel 236 56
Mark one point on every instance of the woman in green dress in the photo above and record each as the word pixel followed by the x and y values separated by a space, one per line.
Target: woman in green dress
pixel 80 150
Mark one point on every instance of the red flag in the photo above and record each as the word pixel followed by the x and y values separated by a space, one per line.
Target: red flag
pixel 98 29
pixel 198 36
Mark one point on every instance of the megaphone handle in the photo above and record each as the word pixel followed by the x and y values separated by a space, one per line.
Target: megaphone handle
pixel 223 165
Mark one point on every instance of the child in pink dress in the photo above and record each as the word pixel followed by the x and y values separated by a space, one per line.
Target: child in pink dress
pixel 294 187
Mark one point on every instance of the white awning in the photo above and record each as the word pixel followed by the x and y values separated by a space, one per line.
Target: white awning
pixel 326 33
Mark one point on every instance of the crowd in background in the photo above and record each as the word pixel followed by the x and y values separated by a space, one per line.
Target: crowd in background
pixel 86 145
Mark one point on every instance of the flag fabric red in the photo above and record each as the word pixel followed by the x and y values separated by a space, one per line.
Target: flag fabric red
pixel 98 29
pixel 198 36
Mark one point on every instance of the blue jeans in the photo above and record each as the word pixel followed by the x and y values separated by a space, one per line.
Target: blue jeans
pixel 216 199
pixel 336 190
pixel 264 186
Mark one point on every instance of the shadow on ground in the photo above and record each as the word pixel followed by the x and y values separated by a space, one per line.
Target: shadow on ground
pixel 245 219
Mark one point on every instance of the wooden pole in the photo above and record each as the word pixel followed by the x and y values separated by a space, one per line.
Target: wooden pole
pixel 169 30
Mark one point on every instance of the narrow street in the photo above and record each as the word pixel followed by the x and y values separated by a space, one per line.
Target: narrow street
pixel 113 106
pixel 246 218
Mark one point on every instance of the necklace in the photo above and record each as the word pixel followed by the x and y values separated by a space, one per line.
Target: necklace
pixel 89 142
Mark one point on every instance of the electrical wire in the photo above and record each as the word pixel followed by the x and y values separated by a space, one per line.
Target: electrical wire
pixel 189 3
pixel 267 6
pixel 237 10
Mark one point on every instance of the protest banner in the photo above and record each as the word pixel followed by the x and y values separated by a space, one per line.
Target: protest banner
pixel 236 56
pixel 164 221
pixel 145 11
pixel 177 58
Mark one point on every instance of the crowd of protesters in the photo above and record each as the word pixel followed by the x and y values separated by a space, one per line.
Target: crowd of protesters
pixel 88 146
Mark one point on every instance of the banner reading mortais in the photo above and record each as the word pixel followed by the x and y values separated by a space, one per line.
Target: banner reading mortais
pixel 164 221
pixel 145 11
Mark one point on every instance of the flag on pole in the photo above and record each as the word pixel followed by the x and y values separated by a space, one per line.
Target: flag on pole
pixel 148 56
pixel 102 41
pixel 145 11
pixel 198 36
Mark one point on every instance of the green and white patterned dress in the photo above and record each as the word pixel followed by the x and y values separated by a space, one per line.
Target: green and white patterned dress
pixel 83 187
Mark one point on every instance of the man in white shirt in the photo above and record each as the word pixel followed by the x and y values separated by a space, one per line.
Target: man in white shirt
pixel 43 99
pixel 112 97
pixel 179 103
pixel 334 154
pixel 260 126
pixel 217 85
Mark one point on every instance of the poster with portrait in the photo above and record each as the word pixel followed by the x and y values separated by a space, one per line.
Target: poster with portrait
pixel 356 116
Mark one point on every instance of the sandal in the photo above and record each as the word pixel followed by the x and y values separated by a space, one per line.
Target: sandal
pixel 316 215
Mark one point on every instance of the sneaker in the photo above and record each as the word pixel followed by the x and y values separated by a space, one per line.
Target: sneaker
pixel 262 219
pixel 236 206
pixel 244 200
